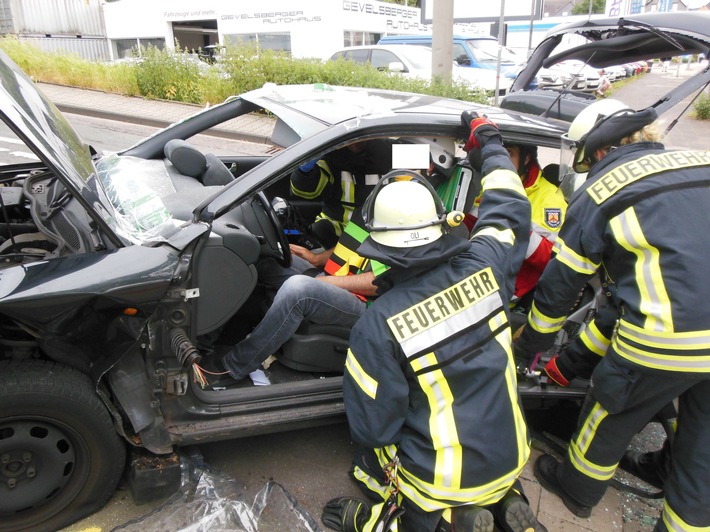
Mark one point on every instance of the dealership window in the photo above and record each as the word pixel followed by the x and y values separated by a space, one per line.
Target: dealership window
pixel 130 47
pixel 264 41
pixel 359 38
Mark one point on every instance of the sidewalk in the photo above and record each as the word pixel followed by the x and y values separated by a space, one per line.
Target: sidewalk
pixel 154 113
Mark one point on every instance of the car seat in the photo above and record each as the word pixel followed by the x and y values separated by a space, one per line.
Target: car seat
pixel 190 161
pixel 316 348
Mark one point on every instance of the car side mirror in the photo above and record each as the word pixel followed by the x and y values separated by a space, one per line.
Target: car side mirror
pixel 396 66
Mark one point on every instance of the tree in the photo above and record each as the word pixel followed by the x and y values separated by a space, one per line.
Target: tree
pixel 582 8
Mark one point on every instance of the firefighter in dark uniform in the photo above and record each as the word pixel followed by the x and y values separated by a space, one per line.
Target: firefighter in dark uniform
pixel 341 181
pixel 642 216
pixel 429 386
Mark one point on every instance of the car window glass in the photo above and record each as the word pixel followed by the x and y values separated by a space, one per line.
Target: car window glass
pixel 418 57
pixel 486 51
pixel 382 58
pixel 459 54
pixel 359 56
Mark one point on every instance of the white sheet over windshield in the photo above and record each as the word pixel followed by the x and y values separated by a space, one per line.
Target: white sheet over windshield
pixel 130 184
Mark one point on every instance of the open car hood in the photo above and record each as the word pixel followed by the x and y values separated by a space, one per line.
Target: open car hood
pixel 45 131
pixel 612 41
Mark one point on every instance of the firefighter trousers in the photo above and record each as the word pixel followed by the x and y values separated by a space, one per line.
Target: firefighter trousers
pixel 623 399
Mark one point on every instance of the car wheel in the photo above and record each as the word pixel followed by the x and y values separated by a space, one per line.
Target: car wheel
pixel 60 456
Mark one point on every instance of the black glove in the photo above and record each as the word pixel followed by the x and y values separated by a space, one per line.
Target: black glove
pixel 522 359
pixel 346 514
pixel 483 130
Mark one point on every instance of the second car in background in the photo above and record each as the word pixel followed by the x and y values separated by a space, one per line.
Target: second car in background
pixel 415 62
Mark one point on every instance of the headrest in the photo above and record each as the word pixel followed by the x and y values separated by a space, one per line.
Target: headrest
pixel 187 159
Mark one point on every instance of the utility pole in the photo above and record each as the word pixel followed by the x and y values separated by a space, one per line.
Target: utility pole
pixel 532 18
pixel 442 38
pixel 501 32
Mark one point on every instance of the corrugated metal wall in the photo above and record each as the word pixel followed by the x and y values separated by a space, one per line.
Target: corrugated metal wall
pixel 6 17
pixel 57 17
pixel 54 26
pixel 89 49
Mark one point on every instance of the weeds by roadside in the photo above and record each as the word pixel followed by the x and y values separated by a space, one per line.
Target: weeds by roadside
pixel 702 107
pixel 178 76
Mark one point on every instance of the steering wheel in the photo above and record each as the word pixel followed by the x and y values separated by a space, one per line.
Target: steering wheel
pixel 277 242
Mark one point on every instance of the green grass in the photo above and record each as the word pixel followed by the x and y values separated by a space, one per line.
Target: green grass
pixel 702 107
pixel 165 75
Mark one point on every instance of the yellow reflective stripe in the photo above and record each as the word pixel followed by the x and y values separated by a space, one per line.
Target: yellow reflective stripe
pixel 430 497
pixel 544 324
pixel 674 523
pixel 608 185
pixel 573 260
pixel 386 454
pixel 434 496
pixel 594 340
pixel 579 447
pixel 372 521
pixel 370 482
pixel 366 383
pixel 521 433
pixel 505 236
pixel 347 187
pixel 690 340
pixel 326 176
pixel 655 303
pixel 442 424
pixel 503 180
pixel 674 362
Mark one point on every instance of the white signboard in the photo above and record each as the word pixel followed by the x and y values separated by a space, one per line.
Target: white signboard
pixel 478 11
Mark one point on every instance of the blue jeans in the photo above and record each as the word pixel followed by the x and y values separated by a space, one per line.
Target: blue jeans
pixel 299 298
pixel 273 275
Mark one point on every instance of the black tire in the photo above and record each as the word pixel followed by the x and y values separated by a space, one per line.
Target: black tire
pixel 60 455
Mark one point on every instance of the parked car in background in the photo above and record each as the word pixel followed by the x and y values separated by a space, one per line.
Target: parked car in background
pixel 605 42
pixel 587 77
pixel 416 62
pixel 468 51
pixel 615 72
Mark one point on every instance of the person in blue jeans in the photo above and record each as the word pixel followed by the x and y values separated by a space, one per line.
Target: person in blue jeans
pixel 336 296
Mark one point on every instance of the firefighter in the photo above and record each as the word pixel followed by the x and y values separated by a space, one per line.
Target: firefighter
pixel 626 219
pixel 548 208
pixel 429 388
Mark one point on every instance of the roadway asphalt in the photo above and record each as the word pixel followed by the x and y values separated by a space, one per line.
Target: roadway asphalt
pixel 312 465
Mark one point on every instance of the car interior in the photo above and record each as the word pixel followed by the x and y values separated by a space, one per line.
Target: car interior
pixel 315 351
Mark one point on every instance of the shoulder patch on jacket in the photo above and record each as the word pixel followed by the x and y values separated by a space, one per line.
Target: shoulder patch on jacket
pixel 553 217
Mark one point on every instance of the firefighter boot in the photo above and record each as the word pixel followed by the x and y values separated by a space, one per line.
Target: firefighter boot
pixel 546 473
pixel 513 514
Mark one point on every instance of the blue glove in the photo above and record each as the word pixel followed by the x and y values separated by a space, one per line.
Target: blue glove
pixel 310 165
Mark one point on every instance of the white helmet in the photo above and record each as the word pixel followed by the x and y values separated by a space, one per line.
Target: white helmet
pixel 403 211
pixel 583 123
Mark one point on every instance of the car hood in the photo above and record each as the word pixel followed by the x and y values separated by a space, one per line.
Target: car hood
pixel 45 131
pixel 615 40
